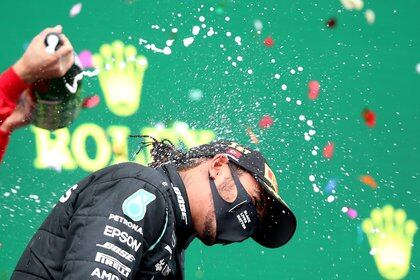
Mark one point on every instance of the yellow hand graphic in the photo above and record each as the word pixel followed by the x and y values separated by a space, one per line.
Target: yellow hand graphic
pixel 121 76
pixel 390 236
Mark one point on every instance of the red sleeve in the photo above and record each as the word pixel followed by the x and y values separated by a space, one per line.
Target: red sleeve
pixel 4 140
pixel 11 87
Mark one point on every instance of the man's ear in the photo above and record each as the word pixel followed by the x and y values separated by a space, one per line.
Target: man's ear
pixel 216 164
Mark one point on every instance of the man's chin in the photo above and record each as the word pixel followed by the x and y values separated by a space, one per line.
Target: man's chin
pixel 207 239
pixel 207 242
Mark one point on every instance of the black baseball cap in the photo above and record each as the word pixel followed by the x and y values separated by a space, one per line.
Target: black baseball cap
pixel 279 222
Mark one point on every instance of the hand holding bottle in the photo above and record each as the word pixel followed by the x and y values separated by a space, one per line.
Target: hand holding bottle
pixel 37 63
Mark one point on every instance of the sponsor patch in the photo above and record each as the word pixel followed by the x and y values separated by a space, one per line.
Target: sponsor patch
pixel 238 147
pixel 68 193
pixel 162 267
pixel 181 203
pixel 123 237
pixel 135 205
pixel 114 248
pixel 269 175
pixel 112 262
pixel 124 221
pixel 103 274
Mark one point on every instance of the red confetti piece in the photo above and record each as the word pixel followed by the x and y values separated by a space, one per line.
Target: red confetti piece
pixel 266 122
pixel 369 117
pixel 253 137
pixel 329 150
pixel 368 180
pixel 268 42
pixel 331 23
pixel 90 102
pixel 313 89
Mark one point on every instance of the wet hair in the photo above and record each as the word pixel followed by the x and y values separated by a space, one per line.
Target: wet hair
pixel 164 151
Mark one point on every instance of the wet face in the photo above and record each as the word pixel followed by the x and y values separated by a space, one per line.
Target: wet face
pixel 228 191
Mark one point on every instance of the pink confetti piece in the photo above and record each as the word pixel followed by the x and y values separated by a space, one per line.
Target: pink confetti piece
pixel 266 121
pixel 85 57
pixel 352 213
pixel 313 91
pixel 90 102
pixel 76 9
pixel 329 150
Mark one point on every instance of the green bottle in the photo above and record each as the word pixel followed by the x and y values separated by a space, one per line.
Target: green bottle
pixel 58 101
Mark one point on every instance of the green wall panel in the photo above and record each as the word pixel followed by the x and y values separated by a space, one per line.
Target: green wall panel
pixel 358 65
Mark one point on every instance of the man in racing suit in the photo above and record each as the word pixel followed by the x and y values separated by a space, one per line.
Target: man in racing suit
pixel 129 221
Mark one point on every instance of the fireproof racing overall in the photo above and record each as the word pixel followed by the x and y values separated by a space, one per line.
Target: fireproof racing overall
pixel 126 221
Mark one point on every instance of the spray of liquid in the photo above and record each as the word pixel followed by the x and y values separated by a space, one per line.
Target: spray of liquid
pixel 78 77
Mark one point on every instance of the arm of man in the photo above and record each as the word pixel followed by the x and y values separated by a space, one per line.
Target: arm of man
pixel 99 229
pixel 35 64
pixel 115 223
pixel 18 118
pixel 11 87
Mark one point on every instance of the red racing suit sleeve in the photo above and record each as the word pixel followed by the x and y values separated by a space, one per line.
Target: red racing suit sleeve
pixel 11 86
pixel 4 140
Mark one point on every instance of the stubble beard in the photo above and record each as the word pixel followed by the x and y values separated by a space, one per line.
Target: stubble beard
pixel 209 234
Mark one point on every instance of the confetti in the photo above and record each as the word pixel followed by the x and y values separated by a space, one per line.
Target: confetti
pixel 90 102
pixel 369 117
pixel 370 16
pixel 352 4
pixel 313 89
pixel 85 57
pixel 196 94
pixel 351 213
pixel 331 23
pixel 331 185
pixel 76 9
pixel 266 121
pixel 268 42
pixel 329 150
pixel 258 25
pixel 253 137
pixel 368 180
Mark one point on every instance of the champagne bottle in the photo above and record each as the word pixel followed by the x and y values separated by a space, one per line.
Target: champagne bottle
pixel 57 101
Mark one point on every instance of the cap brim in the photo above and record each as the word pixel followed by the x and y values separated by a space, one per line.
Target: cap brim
pixel 278 224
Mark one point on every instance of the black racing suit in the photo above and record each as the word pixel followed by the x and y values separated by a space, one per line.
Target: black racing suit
pixel 125 221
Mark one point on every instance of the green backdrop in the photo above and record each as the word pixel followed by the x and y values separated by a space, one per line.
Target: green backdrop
pixel 358 66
